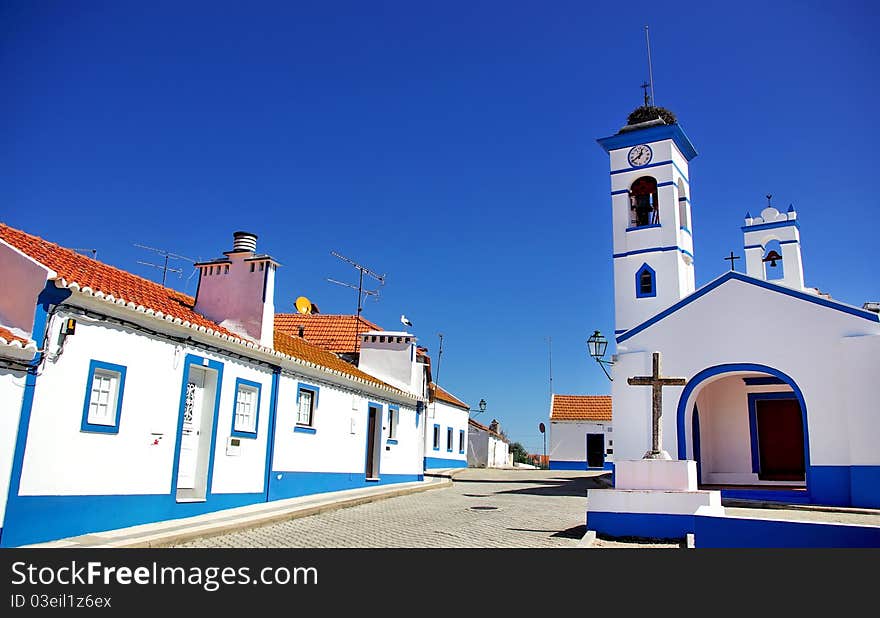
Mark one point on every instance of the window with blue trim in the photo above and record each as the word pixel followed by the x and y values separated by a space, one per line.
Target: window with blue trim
pixel 461 441
pixel 449 439
pixel 306 403
pixel 646 282
pixel 103 402
pixel 393 419
pixel 436 437
pixel 247 408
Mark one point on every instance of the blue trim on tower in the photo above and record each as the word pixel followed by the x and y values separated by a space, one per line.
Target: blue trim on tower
pixel 642 167
pixel 650 134
pixel 754 398
pixel 237 433
pixel 770 226
pixel 686 230
pixel 653 250
pixel 653 291
pixel 860 313
pixel 85 425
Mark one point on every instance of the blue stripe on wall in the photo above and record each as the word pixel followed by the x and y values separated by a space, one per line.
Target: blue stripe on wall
pixel 444 462
pixel 865 486
pixel 46 518
pixel 646 525
pixel 293 484
pixel 714 531
pixel 556 464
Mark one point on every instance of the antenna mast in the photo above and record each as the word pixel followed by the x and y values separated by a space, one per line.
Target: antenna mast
pixel 165 267
pixel 362 270
pixel 550 358
pixel 439 354
pixel 650 68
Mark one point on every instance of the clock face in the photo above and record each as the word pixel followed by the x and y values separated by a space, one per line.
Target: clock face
pixel 640 155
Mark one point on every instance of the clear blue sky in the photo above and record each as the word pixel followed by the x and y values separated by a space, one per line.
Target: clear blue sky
pixel 450 145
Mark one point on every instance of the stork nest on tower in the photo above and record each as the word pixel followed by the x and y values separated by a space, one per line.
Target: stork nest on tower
pixel 647 113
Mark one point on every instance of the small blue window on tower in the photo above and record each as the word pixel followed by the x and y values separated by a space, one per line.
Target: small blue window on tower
pixel 646 282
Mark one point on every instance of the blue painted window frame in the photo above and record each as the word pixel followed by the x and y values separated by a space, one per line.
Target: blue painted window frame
pixel 754 398
pixel 94 365
pixel 238 433
pixel 449 442
pixel 310 427
pixel 418 412
pixel 461 441
pixel 436 443
pixel 393 423
pixel 642 269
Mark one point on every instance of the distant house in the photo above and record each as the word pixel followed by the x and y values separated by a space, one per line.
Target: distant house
pixel 446 431
pixel 488 448
pixel 580 432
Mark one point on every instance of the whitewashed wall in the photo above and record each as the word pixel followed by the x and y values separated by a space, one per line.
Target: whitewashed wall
pixel 478 448
pixel 11 391
pixel 568 439
pixel 446 415
pixel 60 459
pixel 21 284
pixel 741 323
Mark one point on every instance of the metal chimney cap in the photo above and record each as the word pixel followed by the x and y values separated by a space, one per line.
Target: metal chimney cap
pixel 244 241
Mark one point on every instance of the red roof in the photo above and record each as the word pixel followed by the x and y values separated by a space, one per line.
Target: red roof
pixel 72 267
pixel 7 336
pixel 336 333
pixel 482 427
pixel 447 397
pixel 581 408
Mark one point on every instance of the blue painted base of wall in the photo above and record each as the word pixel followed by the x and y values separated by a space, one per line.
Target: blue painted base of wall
pixel 294 484
pixel 646 525
pixel 731 532
pixel 865 486
pixel 36 519
pixel 440 462
pixel 559 464
pixel 768 495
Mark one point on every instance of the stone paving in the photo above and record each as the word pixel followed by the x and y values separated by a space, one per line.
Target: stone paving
pixel 510 508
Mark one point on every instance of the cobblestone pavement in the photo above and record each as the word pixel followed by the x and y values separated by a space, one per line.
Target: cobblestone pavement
pixel 483 508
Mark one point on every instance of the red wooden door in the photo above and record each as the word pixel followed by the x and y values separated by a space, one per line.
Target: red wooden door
pixel 780 440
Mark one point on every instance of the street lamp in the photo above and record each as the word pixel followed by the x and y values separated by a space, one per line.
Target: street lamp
pixel 596 346
pixel 482 406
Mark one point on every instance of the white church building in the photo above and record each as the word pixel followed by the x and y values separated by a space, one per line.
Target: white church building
pixel 124 402
pixel 781 382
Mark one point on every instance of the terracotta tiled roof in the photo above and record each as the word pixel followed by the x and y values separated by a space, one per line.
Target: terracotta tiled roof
pixel 336 333
pixel 482 427
pixel 8 337
pixel 581 408
pixel 447 397
pixel 303 350
pixel 104 280
pixel 99 278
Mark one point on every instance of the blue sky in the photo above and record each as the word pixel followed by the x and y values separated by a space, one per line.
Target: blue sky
pixel 449 145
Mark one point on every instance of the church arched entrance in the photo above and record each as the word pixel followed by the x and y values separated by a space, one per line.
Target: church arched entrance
pixel 746 426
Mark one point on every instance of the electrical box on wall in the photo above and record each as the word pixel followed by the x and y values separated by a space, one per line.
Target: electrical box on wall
pixel 353 426
pixel 233 447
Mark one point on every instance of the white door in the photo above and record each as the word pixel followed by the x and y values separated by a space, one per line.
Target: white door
pixel 192 418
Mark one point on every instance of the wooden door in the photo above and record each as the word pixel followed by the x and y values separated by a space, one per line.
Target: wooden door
pixel 595 450
pixel 780 440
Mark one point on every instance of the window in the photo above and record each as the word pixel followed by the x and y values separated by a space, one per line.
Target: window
pixel 247 408
pixel 461 440
pixel 646 284
pixel 306 403
pixel 393 419
pixel 449 439
pixel 644 206
pixel 436 437
pixel 103 401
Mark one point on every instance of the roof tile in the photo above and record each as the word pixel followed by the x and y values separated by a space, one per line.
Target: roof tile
pixel 336 333
pixel 581 408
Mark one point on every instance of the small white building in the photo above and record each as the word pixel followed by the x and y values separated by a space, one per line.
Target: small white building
pixel 446 434
pixel 580 433
pixel 781 380
pixel 487 447
pixel 126 402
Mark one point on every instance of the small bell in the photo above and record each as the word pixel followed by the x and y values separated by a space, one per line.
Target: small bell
pixel 772 257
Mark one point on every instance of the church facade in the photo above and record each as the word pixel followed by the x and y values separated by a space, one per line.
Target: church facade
pixel 781 381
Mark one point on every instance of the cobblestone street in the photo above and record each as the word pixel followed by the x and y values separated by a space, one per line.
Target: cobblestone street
pixel 483 508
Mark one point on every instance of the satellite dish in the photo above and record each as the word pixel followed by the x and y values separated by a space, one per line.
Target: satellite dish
pixel 303 305
pixel 541 427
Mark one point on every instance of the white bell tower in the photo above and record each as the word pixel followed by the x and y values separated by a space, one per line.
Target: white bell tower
pixel 651 218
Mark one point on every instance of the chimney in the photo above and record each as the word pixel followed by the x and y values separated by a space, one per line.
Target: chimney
pixel 302 331
pixel 238 291
pixel 391 357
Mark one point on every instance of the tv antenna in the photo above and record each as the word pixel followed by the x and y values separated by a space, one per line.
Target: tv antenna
pixel 439 356
pixel 167 255
pixel 94 252
pixel 362 270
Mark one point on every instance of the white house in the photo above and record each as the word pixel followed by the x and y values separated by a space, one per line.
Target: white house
pixel 781 381
pixel 487 447
pixel 126 402
pixel 446 432
pixel 580 432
